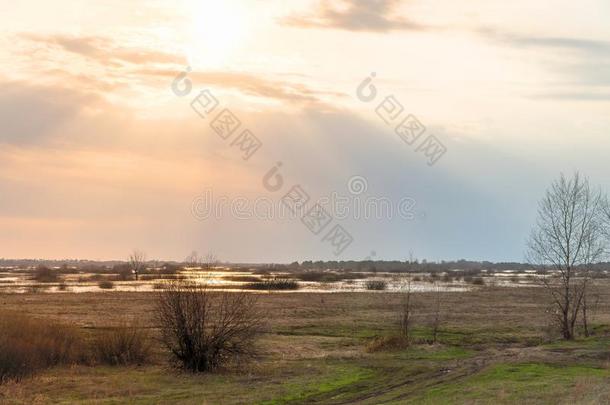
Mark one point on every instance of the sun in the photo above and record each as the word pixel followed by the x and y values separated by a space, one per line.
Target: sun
pixel 218 29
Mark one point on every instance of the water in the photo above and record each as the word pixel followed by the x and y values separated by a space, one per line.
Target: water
pixel 20 282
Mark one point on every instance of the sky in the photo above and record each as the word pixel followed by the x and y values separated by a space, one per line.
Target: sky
pixel 114 134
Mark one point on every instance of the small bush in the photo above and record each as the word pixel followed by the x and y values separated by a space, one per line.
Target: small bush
pixel 123 272
pixel 478 281
pixel 204 330
pixel 376 285
pixel 106 285
pixel 43 274
pixel 243 279
pixel 29 345
pixel 122 345
pixel 170 269
pixel 36 288
pixel 273 284
pixel 387 343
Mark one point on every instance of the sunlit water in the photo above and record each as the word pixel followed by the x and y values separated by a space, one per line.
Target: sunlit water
pixel 21 282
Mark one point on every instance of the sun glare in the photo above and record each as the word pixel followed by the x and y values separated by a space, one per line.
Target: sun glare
pixel 218 29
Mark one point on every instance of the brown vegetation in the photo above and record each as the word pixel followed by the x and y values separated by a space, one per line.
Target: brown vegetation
pixel 28 345
pixel 205 330
pixel 125 344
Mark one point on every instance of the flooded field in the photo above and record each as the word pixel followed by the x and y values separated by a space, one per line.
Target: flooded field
pixel 23 281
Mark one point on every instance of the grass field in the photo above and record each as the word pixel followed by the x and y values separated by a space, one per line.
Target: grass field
pixel 494 347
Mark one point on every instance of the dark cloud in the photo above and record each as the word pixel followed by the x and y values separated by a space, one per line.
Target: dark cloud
pixel 356 15
pixel 578 65
pixel 31 113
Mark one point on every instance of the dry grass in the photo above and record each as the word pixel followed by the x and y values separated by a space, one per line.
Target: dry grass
pixel 28 345
pixel 125 344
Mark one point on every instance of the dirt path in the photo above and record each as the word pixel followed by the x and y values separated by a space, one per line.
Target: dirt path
pixel 454 370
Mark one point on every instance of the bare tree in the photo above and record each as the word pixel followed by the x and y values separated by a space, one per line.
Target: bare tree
pixel 567 239
pixel 209 261
pixel 137 262
pixel 193 259
pixel 205 262
pixel 405 308
pixel 204 329
pixel 436 321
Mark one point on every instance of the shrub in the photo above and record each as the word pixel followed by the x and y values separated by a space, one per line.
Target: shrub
pixel 243 279
pixel 122 345
pixel 92 278
pixel 319 276
pixel 43 274
pixel 376 285
pixel 106 285
pixel 170 269
pixel 478 281
pixel 28 345
pixel 273 284
pixel 387 343
pixel 205 329
pixel 36 288
pixel 123 272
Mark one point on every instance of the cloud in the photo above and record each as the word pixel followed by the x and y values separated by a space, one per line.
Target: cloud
pixel 355 15
pixel 576 96
pixel 104 50
pixel 579 65
pixel 588 46
pixel 254 85
pixel 31 113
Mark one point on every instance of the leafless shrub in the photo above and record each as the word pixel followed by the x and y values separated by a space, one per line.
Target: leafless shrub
pixel 125 344
pixel 204 329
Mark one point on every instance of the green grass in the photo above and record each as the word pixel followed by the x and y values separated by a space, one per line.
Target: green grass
pixel 340 377
pixel 519 383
